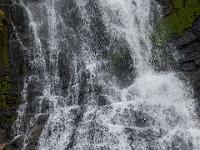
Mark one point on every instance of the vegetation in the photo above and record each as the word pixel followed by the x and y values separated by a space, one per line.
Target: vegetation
pixel 4 61
pixel 183 14
pixel 8 100
pixel 5 86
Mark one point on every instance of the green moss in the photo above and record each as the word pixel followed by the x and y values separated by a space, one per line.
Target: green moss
pixel 8 99
pixel 5 85
pixel 5 88
pixel 4 61
pixel 118 56
pixel 121 62
pixel 184 12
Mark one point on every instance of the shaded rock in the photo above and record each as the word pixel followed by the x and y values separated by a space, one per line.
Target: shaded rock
pixel 166 7
pixel 12 69
pixel 32 141
pixel 2 146
pixel 121 64
pixel 187 47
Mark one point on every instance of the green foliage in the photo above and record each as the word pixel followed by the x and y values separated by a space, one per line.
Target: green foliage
pixel 183 14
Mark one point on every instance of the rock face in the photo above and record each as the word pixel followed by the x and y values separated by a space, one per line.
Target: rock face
pixel 187 48
pixel 11 68
pixel 165 6
pixel 178 17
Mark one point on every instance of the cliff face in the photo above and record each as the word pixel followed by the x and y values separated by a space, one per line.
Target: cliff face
pixel 179 16
pixel 11 68
pixel 185 41
pixel 188 49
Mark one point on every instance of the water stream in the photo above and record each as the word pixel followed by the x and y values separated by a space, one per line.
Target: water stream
pixel 92 84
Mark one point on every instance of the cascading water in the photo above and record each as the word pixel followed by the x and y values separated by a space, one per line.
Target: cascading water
pixel 79 96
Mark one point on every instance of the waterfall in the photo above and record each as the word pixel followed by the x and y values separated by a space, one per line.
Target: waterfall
pixel 92 85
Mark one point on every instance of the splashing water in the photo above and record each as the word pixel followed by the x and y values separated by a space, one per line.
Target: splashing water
pixel 79 97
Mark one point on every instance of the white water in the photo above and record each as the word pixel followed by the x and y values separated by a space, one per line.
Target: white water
pixel 154 112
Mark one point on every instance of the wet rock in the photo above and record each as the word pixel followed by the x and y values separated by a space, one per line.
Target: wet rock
pixel 180 144
pixel 15 144
pixel 188 48
pixel 144 137
pixel 121 64
pixel 100 37
pixel 35 88
pixel 165 7
pixel 64 70
pixel 102 101
pixel 45 106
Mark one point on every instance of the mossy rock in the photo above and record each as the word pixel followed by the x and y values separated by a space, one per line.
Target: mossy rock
pixel 9 100
pixel 4 59
pixel 5 85
pixel 122 66
pixel 183 14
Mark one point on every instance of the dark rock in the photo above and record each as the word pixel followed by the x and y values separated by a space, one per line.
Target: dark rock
pixel 166 7
pixel 121 64
pixel 3 137
pixel 180 144
pixel 102 101
pixel 32 141
pixel 100 37
pixel 15 144
pixel 188 48
pixel 64 70
pixel 12 75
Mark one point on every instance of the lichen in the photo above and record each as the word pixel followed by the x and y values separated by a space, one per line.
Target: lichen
pixel 183 14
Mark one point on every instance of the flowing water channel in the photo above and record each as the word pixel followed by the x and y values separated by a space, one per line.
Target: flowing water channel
pixel 92 83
